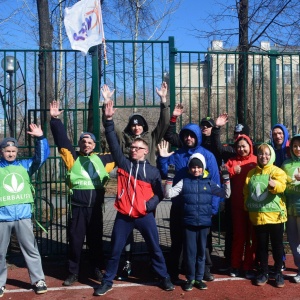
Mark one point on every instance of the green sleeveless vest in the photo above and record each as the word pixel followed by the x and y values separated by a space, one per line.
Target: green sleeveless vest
pixel 88 173
pixel 15 186
pixel 260 199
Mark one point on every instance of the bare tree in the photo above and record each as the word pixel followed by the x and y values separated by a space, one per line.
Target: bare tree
pixel 276 21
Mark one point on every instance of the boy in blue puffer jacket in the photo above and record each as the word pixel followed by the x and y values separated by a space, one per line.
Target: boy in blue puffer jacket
pixel 196 190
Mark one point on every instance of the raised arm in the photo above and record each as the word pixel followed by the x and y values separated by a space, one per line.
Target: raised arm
pixel 171 136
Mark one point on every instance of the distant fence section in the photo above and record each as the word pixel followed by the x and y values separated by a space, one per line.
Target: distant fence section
pixel 205 82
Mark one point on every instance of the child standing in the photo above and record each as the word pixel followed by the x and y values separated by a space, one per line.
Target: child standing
pixel 291 167
pixel 197 190
pixel 263 194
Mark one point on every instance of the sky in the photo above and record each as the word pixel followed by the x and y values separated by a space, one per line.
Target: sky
pixel 185 19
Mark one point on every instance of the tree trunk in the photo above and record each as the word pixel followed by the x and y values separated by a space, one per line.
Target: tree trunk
pixel 243 61
pixel 46 91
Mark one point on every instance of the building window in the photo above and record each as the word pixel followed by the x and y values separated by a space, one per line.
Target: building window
pixel 229 73
pixel 287 74
pixel 257 74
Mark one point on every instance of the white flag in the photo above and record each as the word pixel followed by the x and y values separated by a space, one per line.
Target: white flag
pixel 84 25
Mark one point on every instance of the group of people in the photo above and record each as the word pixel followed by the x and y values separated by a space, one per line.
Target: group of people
pixel 259 187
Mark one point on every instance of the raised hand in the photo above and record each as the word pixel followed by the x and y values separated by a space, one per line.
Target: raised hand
pixel 224 173
pixel 54 109
pixel 106 93
pixel 178 110
pixel 222 119
pixel 162 92
pixel 109 110
pixel 163 148
pixel 35 130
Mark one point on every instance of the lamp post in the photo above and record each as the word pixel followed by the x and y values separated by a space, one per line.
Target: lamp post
pixel 10 65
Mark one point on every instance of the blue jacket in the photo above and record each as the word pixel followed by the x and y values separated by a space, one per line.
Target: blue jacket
pixel 23 211
pixel 197 201
pixel 181 156
pixel 284 152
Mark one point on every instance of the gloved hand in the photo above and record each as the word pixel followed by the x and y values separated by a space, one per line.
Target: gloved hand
pixel 171 172
pixel 224 173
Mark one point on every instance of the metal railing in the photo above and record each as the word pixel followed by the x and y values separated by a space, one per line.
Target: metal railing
pixel 204 81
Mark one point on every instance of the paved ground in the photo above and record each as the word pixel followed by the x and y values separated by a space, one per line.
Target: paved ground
pixel 143 284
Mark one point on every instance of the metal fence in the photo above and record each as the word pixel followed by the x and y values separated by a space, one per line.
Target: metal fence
pixel 205 82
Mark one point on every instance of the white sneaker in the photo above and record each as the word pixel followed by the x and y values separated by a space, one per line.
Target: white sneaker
pixel 296 278
pixel 2 289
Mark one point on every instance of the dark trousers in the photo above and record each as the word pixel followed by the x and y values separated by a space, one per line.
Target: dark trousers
pixel 274 232
pixel 123 226
pixel 85 221
pixel 177 239
pixel 194 251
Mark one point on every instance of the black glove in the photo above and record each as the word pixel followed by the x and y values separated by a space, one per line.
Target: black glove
pixel 171 172
pixel 224 173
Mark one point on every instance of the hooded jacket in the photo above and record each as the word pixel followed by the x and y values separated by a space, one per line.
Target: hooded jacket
pixel 153 138
pixel 197 195
pixel 260 217
pixel 181 156
pixel 282 153
pixel 292 193
pixel 139 187
pixel 237 180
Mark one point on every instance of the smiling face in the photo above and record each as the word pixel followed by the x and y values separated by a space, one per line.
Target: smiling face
pixel 264 155
pixel 278 137
pixel 86 145
pixel 206 128
pixel 10 153
pixel 136 129
pixel 189 138
pixel 243 148
pixel 296 147
pixel 196 171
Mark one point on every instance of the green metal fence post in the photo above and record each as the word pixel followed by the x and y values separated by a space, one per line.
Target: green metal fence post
pixel 172 54
pixel 95 95
pixel 273 86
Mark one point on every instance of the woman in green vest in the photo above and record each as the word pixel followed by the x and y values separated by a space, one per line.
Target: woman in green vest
pixel 263 194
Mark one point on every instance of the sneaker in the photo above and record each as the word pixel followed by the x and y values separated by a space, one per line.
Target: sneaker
pixel 208 276
pixel 166 284
pixel 296 278
pixel 279 280
pixel 200 285
pixel 262 279
pixel 125 271
pixel 2 289
pixel 249 274
pixel 41 287
pixel 234 272
pixel 98 274
pixel 102 289
pixel 70 279
pixel 283 268
pixel 188 286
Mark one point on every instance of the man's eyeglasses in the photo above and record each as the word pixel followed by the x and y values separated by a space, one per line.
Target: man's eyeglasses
pixel 134 148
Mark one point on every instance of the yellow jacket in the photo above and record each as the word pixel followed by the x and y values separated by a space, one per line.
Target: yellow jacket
pixel 279 176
